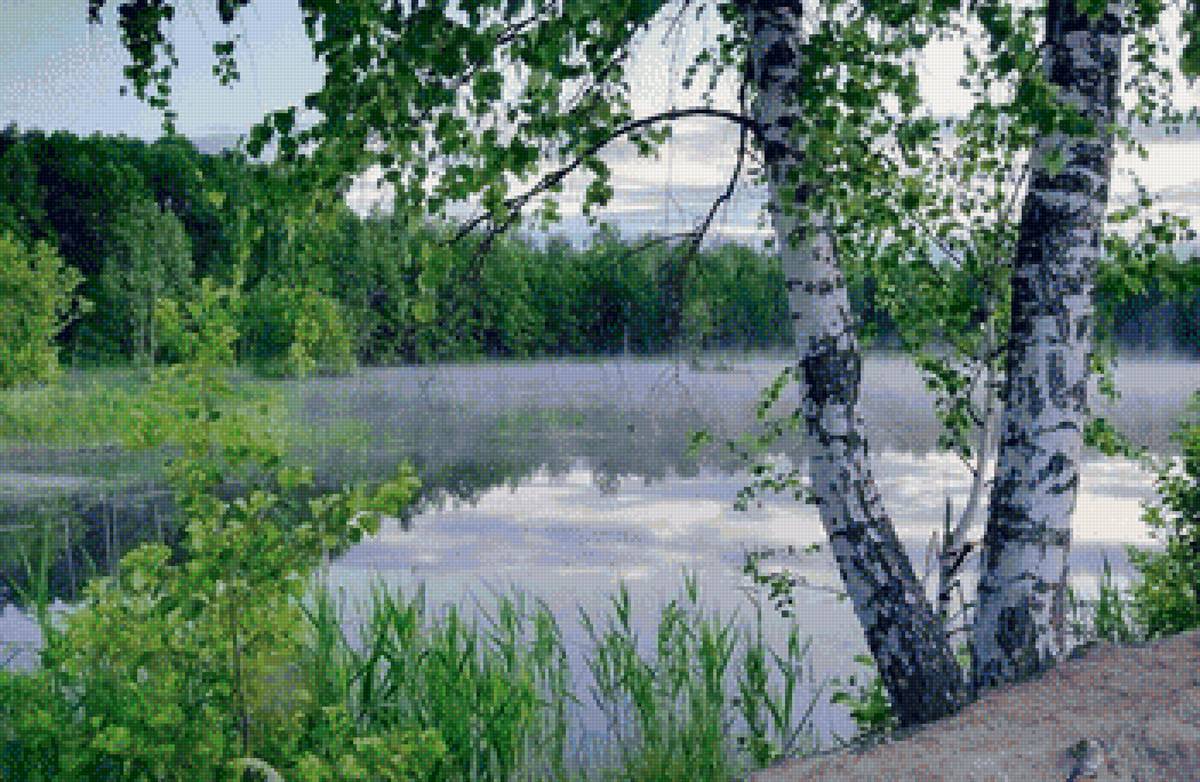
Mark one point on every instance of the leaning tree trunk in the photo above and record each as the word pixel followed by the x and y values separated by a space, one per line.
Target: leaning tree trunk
pixel 1020 611
pixel 914 659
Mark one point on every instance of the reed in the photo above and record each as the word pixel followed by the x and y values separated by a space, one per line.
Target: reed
pixel 708 701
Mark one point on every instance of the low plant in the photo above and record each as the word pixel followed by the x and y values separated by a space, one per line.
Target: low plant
pixel 867 702
pixel 1166 600
pixel 1111 620
pixel 671 715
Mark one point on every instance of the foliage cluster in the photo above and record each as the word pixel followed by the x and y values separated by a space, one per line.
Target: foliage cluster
pixel 294 331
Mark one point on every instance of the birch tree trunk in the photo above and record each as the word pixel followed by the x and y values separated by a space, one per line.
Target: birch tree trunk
pixel 914 659
pixel 1020 609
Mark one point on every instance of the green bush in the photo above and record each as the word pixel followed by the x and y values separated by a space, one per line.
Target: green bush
pixel 1167 598
pixel 869 705
pixel 187 670
pixel 202 329
pixel 38 294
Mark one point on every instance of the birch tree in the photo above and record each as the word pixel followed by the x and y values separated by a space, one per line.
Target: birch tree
pixel 1021 595
pixel 152 259
pixel 1050 140
pixel 906 640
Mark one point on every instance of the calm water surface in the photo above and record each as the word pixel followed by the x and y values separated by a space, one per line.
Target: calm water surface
pixel 563 479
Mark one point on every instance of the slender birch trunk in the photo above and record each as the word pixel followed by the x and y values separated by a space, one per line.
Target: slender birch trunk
pixel 954 545
pixel 1020 610
pixel 915 661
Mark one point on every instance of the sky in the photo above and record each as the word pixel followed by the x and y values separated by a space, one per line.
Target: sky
pixel 59 72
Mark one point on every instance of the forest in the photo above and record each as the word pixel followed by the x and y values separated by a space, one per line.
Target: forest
pixel 142 223
pixel 382 290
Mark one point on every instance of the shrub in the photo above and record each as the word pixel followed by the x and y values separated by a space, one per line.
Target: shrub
pixel 203 329
pixel 38 295
pixel 293 331
pixel 178 670
pixel 1167 598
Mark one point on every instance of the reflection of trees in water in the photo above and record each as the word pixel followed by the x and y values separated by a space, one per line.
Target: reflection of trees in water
pixel 459 451
pixel 78 534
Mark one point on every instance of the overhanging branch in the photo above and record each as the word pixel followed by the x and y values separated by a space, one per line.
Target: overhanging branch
pixel 514 205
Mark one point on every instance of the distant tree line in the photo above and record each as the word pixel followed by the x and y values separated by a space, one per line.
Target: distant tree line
pixel 141 224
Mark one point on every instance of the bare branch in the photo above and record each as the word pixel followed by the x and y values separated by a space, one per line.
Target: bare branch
pixel 514 205
pixel 743 137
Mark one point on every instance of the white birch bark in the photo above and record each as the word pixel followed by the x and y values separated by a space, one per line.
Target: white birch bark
pixel 914 659
pixel 1020 607
pixel 955 545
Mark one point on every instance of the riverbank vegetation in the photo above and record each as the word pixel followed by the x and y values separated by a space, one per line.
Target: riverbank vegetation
pixel 228 660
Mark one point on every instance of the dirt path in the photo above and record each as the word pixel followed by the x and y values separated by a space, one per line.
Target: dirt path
pixel 1118 712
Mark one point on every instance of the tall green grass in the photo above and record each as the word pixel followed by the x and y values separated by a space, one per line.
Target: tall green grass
pixel 709 700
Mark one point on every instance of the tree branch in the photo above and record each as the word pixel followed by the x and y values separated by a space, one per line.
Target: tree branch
pixel 514 205
pixel 743 137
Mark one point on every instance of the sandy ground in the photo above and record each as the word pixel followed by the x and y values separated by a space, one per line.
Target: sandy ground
pixel 1117 712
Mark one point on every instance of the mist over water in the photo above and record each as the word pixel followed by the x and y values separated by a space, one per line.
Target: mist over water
pixel 564 478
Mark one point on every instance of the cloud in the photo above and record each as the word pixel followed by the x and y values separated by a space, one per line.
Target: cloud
pixel 215 143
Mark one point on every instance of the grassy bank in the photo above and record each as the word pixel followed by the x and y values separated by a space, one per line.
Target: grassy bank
pixel 450 692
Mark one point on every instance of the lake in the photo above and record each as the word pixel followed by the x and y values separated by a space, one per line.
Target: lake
pixel 564 478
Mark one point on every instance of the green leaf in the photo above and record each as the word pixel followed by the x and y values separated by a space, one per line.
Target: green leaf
pixel 423 311
pixel 1054 162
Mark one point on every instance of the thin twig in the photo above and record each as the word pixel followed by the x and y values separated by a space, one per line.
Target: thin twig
pixel 743 138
